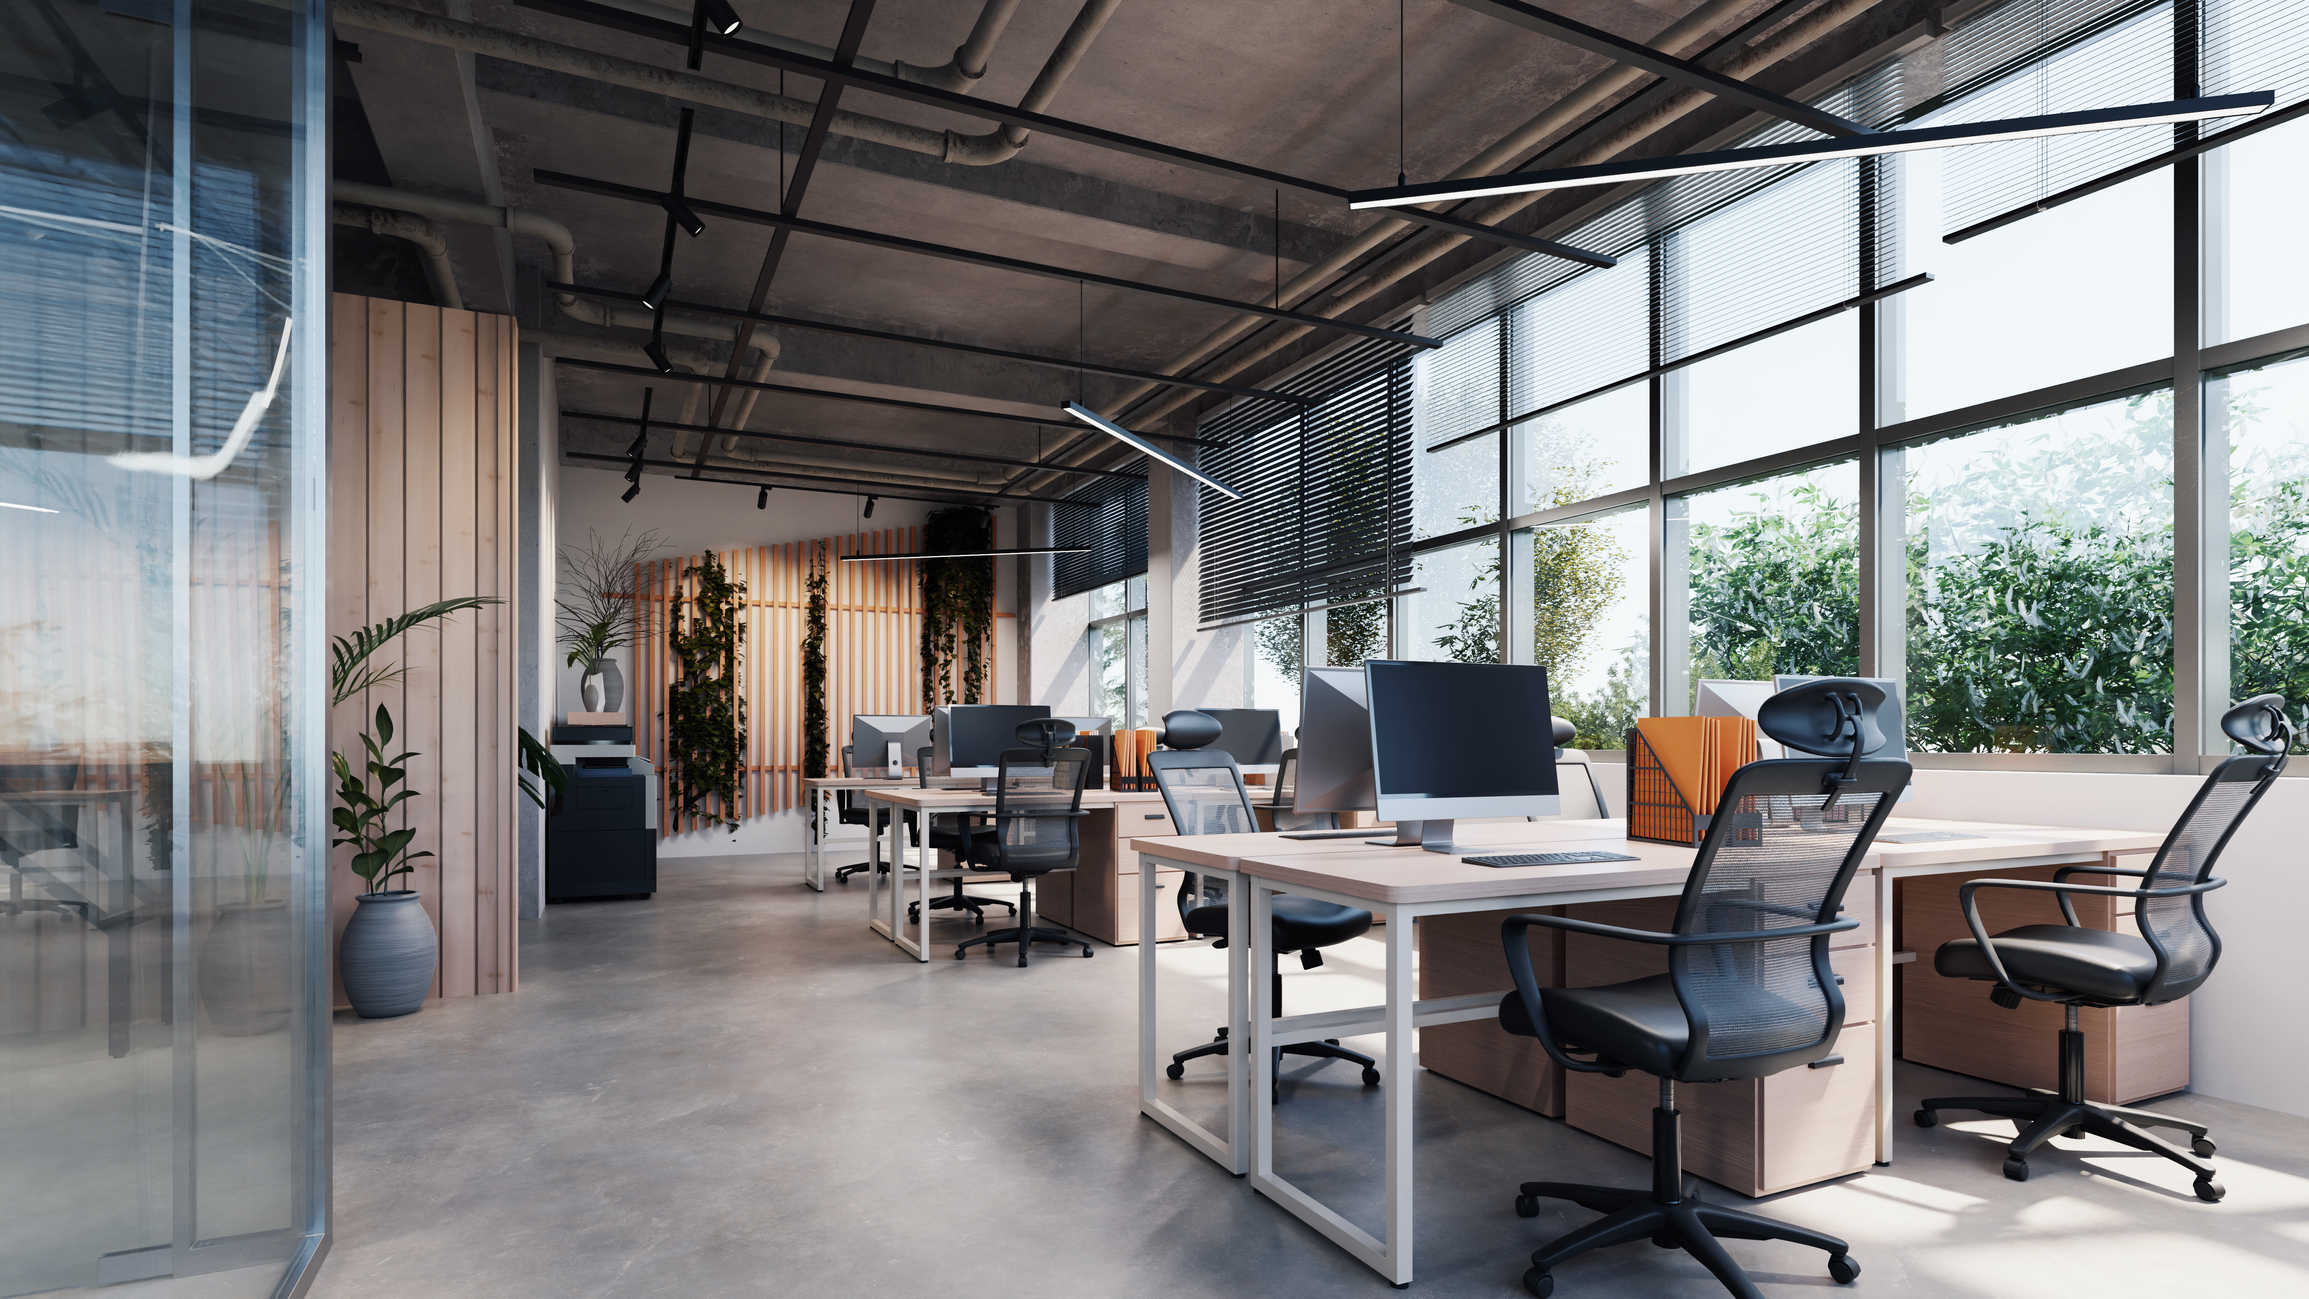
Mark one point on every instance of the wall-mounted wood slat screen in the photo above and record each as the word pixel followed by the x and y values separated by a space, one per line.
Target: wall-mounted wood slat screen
pixel 873 656
pixel 421 453
pixel 1115 532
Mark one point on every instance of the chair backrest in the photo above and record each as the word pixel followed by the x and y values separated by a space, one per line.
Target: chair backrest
pixel 1284 810
pixel 1203 788
pixel 2175 928
pixel 1775 857
pixel 1037 794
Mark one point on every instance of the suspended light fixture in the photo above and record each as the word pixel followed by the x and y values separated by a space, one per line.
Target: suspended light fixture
pixel 36 509
pixel 661 288
pixel 762 501
pixel 1128 438
pixel 630 493
pixel 682 215
pixel 1850 146
pixel 870 505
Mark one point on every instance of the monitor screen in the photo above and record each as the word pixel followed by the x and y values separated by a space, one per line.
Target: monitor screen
pixel 872 734
pixel 1253 737
pixel 1094 735
pixel 1334 770
pixel 1460 740
pixel 974 735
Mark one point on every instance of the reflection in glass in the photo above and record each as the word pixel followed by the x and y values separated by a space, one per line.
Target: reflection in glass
pixel 1600 446
pixel 1454 489
pixel 2040 584
pixel 1787 391
pixel 1109 673
pixel 1772 578
pixel 2263 417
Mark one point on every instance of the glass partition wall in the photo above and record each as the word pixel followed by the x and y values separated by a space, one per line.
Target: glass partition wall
pixel 1887 417
pixel 163 843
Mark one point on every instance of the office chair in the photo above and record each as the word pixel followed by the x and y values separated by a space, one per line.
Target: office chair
pixel 1749 992
pixel 847 811
pixel 954 839
pixel 1284 810
pixel 1035 830
pixel 2075 966
pixel 1205 795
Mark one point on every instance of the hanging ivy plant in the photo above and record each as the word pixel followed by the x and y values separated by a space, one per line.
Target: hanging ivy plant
pixel 814 670
pixel 705 718
pixel 957 606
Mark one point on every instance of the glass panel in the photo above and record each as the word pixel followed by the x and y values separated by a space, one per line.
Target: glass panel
pixel 2257 264
pixel 2040 561
pixel 1273 669
pixel 1455 387
pixel 1573 339
pixel 2265 415
pixel 1350 633
pixel 1109 679
pixel 1588 620
pixel 1107 601
pixel 1456 489
pixel 1773 578
pixel 1456 615
pixel 1785 392
pixel 163 847
pixel 1600 446
pixel 1134 593
pixel 1137 701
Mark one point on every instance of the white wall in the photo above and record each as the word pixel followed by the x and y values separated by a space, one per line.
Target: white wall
pixel 2248 1032
pixel 1186 668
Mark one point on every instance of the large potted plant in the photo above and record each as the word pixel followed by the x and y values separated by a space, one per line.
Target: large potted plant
pixel 596 611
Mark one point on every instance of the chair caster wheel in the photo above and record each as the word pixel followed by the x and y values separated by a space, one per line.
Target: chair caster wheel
pixel 1086 951
pixel 1842 1269
pixel 2202 1148
pixel 960 953
pixel 2016 1169
pixel 2210 1190
pixel 1665 1241
pixel 1176 1072
pixel 1527 1206
pixel 1927 1119
pixel 1370 1077
pixel 1540 1282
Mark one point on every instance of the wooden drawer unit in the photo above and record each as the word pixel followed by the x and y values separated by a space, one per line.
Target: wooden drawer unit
pixel 1103 900
pixel 2132 1053
pixel 1459 956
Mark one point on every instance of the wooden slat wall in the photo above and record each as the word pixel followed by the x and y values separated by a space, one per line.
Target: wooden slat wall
pixel 422 437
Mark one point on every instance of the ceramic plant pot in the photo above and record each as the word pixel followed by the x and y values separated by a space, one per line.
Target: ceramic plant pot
pixel 387 954
pixel 590 689
pixel 612 686
pixel 243 969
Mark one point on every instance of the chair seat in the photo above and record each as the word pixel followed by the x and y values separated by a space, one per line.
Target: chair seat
pixel 1300 923
pixel 952 840
pixel 1638 1023
pixel 2091 962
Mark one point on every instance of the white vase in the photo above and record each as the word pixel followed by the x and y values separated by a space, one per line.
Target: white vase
pixel 591 691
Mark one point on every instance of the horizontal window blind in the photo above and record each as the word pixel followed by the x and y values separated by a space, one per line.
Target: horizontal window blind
pixel 1326 489
pixel 1115 532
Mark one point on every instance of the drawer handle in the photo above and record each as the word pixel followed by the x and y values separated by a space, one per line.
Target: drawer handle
pixel 1156 816
pixel 1826 1062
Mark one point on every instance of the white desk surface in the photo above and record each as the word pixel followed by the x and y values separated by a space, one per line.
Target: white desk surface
pixel 815 783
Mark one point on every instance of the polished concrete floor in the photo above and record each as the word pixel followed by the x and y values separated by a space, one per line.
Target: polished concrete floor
pixel 736 1089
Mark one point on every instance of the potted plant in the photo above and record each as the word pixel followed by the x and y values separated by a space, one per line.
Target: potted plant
pixel 595 611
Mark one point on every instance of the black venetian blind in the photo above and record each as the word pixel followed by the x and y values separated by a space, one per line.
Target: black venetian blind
pixel 1115 532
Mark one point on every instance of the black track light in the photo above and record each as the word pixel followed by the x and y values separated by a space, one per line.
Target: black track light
pixel 870 506
pixel 633 471
pixel 762 501
pixel 655 351
pixel 682 215
pixel 631 492
pixel 720 18
pixel 660 289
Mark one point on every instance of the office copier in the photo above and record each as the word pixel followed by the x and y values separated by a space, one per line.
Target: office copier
pixel 601 832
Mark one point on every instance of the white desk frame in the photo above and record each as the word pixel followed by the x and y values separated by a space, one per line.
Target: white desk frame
pixel 1232 1149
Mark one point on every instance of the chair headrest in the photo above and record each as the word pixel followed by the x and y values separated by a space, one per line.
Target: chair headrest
pixel 1564 731
pixel 1188 729
pixel 1045 733
pixel 2260 724
pixel 1826 717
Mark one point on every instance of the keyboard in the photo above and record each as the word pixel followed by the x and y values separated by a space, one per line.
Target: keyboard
pixel 1547 858
pixel 1330 834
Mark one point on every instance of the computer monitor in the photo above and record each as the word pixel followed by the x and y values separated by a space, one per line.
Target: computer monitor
pixel 1334 769
pixel 885 744
pixel 1095 734
pixel 1738 699
pixel 1252 736
pixel 968 739
pixel 1891 717
pixel 1459 739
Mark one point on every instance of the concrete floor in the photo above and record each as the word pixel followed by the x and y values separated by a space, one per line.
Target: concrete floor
pixel 735 1089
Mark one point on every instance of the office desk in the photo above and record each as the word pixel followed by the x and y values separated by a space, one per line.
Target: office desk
pixel 886 917
pixel 818 796
pixel 1409 883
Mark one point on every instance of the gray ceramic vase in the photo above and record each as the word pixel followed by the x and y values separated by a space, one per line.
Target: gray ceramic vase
pixel 387 954
pixel 612 686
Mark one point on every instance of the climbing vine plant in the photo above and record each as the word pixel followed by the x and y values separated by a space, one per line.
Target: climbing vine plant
pixel 957 606
pixel 705 717
pixel 814 669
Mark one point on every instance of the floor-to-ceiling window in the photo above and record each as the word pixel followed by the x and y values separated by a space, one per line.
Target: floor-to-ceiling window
pixel 1118 652
pixel 163 844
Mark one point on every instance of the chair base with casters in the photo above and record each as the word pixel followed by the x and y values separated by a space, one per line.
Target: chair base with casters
pixel 1024 934
pixel 957 842
pixel 2041 1115
pixel 1327 1049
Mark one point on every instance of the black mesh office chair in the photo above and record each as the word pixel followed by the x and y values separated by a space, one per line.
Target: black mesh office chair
pixel 1749 992
pixel 2075 966
pixel 849 810
pixel 1204 792
pixel 1035 828
pixel 1282 806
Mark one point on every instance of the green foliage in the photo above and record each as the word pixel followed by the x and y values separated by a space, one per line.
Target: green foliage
pixel 814 739
pixel 1776 591
pixel 594 605
pixel 957 605
pixel 350 671
pixel 1604 718
pixel 704 714
pixel 363 816
pixel 2269 592
pixel 538 764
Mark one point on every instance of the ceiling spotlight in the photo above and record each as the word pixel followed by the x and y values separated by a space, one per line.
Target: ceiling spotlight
pixel 762 501
pixel 1128 438
pixel 682 215
pixel 655 351
pixel 870 506
pixel 659 290
pixel 720 19
pixel 633 471
pixel 631 492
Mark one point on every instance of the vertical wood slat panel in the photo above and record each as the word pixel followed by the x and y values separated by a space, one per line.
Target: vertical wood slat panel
pixel 420 725
pixel 346 600
pixel 457 642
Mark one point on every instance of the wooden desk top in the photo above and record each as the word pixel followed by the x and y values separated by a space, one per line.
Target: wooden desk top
pixel 1410 875
pixel 1226 851
pixel 971 800
pixel 815 783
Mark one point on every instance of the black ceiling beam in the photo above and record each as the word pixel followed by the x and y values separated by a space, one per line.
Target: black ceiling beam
pixel 851 487
pixel 836 75
pixel 858 331
pixel 1635 55
pixel 1057 419
pixel 605 418
pixel 635 194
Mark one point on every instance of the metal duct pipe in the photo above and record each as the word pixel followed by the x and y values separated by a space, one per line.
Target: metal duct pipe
pixel 755 455
pixel 1003 142
pixel 401 225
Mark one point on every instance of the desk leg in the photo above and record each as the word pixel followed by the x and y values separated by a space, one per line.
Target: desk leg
pixel 1242 992
pixel 1402 999
pixel 1886 1008
pixel 929 858
pixel 1260 1058
pixel 874 815
pixel 813 859
pixel 1230 1150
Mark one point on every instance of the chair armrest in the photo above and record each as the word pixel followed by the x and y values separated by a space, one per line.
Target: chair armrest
pixel 1685 940
pixel 1988 948
pixel 2067 910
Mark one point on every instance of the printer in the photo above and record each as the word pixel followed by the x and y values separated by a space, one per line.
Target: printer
pixel 601 831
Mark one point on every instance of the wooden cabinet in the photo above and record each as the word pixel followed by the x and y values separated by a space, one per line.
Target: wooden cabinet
pixel 2132 1053
pixel 1103 894
pixel 1459 956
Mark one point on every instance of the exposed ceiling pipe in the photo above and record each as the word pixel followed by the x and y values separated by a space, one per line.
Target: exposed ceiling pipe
pixel 756 455
pixel 689 87
pixel 417 230
pixel 1003 142
pixel 960 74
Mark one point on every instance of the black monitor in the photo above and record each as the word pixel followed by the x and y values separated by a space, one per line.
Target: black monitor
pixel 968 739
pixel 886 744
pixel 1253 737
pixel 1459 739
pixel 1334 770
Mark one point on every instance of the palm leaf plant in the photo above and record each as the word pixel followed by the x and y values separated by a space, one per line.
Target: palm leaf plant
pixel 363 817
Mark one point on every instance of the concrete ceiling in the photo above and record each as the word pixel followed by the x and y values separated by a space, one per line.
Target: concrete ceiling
pixel 1303 87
